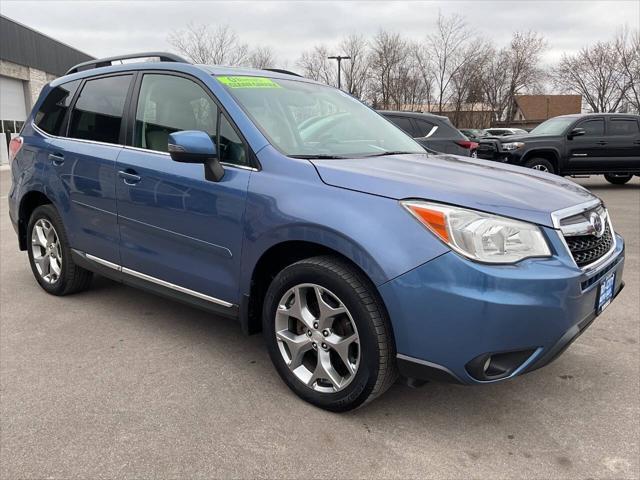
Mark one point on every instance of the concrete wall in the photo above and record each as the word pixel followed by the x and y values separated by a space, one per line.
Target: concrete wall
pixel 35 79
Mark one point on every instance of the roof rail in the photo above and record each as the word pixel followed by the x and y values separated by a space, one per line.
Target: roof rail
pixel 108 61
pixel 279 70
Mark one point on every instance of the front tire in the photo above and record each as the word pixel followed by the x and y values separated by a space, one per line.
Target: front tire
pixel 540 164
pixel 328 334
pixel 50 254
pixel 616 179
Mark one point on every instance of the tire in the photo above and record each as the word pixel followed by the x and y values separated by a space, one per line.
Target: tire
pixel 616 179
pixel 540 164
pixel 64 276
pixel 371 357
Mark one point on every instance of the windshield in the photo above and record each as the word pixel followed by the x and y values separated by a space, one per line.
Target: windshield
pixel 308 120
pixel 555 126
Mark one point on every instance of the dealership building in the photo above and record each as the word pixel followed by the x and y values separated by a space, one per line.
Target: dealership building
pixel 28 61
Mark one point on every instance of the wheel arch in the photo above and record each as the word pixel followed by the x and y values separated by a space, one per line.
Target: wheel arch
pixel 549 154
pixel 28 203
pixel 271 262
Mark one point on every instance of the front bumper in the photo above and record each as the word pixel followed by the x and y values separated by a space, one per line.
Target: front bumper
pixel 451 314
pixel 493 151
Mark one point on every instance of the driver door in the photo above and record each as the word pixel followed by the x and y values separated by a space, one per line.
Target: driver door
pixel 588 152
pixel 178 229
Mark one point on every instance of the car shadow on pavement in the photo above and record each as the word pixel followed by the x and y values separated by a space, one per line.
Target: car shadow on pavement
pixel 213 335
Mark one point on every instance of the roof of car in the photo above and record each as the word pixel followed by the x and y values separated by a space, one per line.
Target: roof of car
pixel 580 115
pixel 412 114
pixel 180 67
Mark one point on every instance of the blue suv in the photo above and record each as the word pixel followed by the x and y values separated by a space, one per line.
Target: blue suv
pixel 300 212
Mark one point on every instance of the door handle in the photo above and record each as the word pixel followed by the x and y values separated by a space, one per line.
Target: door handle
pixel 130 177
pixel 601 142
pixel 56 158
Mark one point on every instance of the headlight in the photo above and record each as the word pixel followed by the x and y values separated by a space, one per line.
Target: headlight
pixel 480 236
pixel 512 145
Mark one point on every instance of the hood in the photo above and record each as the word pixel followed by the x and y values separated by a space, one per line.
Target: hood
pixel 523 137
pixel 507 190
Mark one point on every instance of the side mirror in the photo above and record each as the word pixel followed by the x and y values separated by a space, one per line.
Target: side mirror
pixel 576 132
pixel 195 146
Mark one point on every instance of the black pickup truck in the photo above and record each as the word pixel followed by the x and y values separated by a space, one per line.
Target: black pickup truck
pixel 591 144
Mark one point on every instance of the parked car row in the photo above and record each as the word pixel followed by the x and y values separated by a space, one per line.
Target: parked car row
pixel 588 144
pixel 294 209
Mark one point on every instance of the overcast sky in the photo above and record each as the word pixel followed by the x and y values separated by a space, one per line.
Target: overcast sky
pixel 104 28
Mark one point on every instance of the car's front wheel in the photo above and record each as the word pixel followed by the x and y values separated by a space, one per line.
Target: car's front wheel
pixel 328 334
pixel 540 164
pixel 617 179
pixel 50 254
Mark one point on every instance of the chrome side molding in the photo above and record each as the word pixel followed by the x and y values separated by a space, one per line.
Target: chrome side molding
pixel 149 278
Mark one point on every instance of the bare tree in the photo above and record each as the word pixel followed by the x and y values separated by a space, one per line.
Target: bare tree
pixel 388 52
pixel 261 57
pixel 424 65
pixel 356 70
pixel 214 46
pixel 467 78
pixel 628 49
pixel 523 61
pixel 316 66
pixel 596 73
pixel 447 47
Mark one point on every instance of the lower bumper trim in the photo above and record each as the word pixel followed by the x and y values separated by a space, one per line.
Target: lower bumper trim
pixel 417 369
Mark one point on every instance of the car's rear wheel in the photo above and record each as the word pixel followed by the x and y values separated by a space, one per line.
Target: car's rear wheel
pixel 540 164
pixel 50 254
pixel 328 334
pixel 617 179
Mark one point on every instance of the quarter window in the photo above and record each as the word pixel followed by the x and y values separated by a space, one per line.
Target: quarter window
pixel 52 111
pixel 169 104
pixel 97 114
pixel 623 126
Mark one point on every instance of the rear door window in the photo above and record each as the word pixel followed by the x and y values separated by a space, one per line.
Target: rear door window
pixel 52 112
pixel 97 114
pixel 623 126
pixel 428 129
pixel 403 123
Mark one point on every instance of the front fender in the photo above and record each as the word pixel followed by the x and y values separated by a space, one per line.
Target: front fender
pixel 288 201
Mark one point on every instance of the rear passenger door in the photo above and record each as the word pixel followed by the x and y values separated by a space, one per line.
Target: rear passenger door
pixel 623 138
pixel 84 158
pixel 588 152
pixel 178 229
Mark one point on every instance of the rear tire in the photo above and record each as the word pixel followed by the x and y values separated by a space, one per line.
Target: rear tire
pixel 50 254
pixel 617 179
pixel 540 164
pixel 362 324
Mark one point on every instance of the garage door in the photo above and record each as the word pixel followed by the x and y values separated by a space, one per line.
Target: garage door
pixel 13 112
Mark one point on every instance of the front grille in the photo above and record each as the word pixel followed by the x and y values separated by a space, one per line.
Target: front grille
pixel 587 249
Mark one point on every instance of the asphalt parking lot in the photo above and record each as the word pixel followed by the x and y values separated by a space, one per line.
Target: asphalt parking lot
pixel 116 383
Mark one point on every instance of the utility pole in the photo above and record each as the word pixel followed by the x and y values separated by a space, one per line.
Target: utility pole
pixel 339 58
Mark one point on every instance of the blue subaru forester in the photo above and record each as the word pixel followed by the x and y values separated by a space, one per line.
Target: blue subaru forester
pixel 294 208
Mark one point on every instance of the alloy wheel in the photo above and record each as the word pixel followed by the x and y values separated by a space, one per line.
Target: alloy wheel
pixel 542 168
pixel 46 250
pixel 317 338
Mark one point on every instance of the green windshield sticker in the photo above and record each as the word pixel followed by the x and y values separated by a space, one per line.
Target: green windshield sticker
pixel 248 82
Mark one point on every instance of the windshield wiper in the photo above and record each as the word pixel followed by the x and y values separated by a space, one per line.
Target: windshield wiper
pixel 318 157
pixel 396 152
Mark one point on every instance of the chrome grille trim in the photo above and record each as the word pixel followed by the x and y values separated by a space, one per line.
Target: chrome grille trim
pixel 583 228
